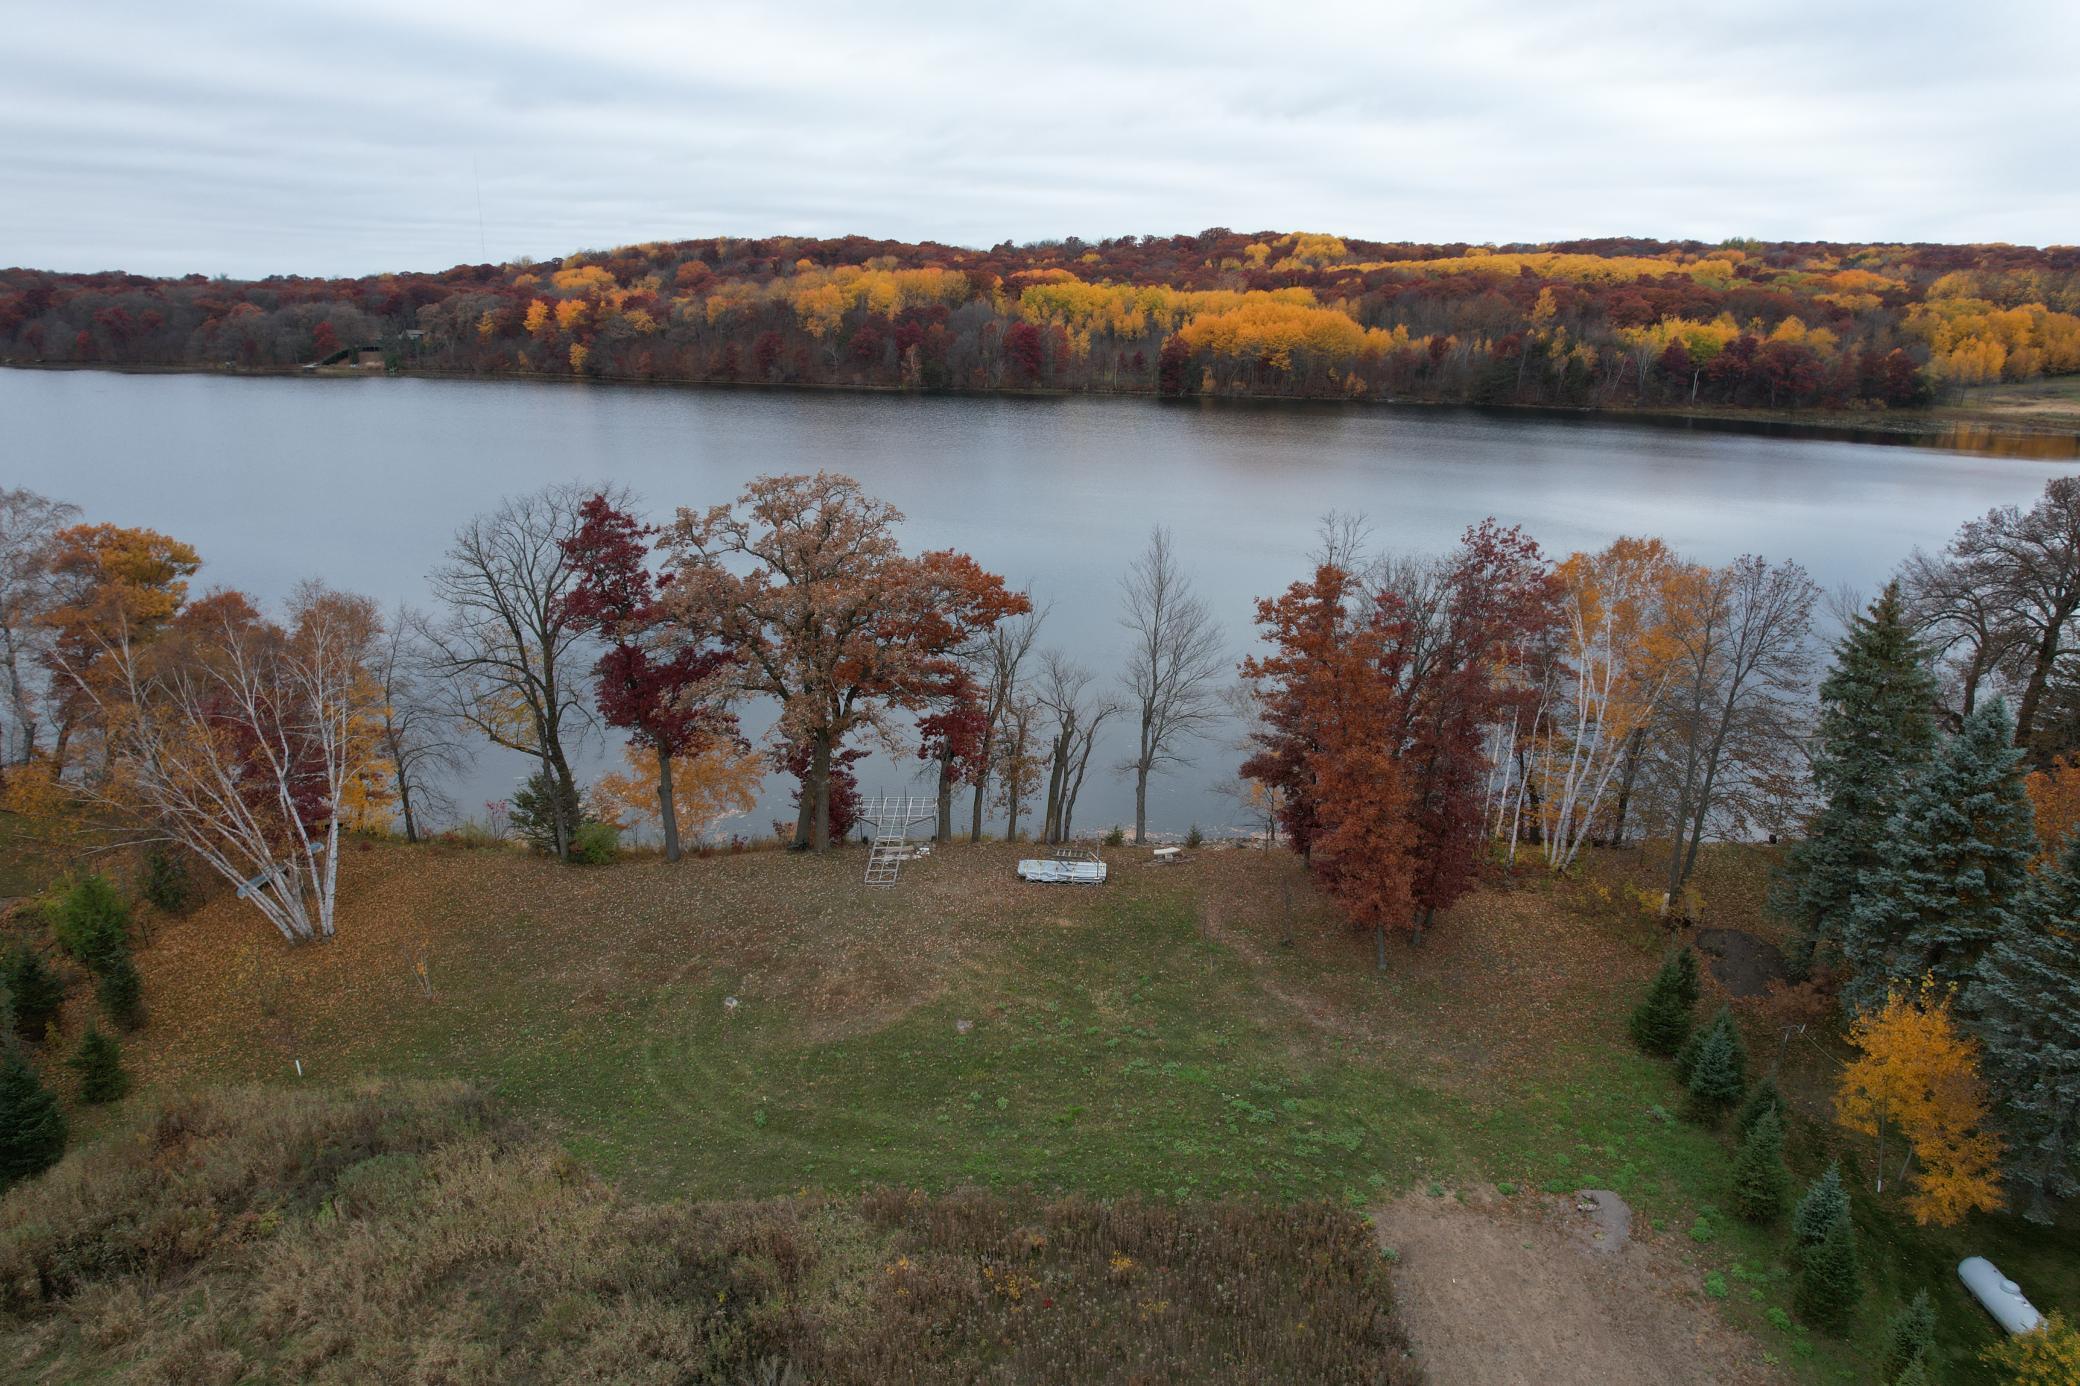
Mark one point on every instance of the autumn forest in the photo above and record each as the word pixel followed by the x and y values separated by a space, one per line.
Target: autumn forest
pixel 1599 323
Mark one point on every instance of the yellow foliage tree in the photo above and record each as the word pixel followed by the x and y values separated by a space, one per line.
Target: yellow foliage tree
pixel 1917 1077
pixel 707 787
pixel 570 314
pixel 2054 795
pixel 2050 1356
pixel 578 354
pixel 537 317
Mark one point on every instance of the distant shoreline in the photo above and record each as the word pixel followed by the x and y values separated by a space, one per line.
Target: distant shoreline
pixel 1952 427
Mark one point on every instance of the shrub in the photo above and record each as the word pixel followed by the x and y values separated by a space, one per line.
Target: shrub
pixel 1910 1339
pixel 2048 1357
pixel 91 921
pixel 1760 1182
pixel 1662 1021
pixel 1718 1069
pixel 596 844
pixel 1828 1284
pixel 32 1129
pixel 1194 838
pixel 122 993
pixel 1116 837
pixel 99 1063
pixel 35 990
pixel 1764 1097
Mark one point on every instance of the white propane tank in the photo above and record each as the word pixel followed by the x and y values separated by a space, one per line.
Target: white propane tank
pixel 2001 1296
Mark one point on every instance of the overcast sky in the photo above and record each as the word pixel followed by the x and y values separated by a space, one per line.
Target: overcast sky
pixel 345 139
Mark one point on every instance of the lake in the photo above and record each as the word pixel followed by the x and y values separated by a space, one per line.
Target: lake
pixel 361 482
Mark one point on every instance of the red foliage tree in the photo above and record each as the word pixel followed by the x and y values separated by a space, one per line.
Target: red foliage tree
pixel 653 673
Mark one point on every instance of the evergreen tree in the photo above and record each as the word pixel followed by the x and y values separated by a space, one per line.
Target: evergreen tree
pixel 1958 855
pixel 1828 1281
pixel 1764 1097
pixel 1877 729
pixel 1718 1069
pixel 167 884
pixel 1662 1021
pixel 535 806
pixel 1916 1374
pixel 35 989
pixel 32 1129
pixel 1825 1201
pixel 2024 1008
pixel 121 992
pixel 1910 1339
pixel 99 1063
pixel 91 921
pixel 1760 1182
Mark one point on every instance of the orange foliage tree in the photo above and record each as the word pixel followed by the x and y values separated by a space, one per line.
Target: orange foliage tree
pixel 2054 795
pixel 1916 1077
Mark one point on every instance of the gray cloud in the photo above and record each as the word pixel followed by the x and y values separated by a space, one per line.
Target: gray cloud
pixel 261 138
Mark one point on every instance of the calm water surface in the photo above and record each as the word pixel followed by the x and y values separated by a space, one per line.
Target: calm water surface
pixel 361 482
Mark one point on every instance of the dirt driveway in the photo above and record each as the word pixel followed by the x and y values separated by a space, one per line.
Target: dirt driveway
pixel 1541 1291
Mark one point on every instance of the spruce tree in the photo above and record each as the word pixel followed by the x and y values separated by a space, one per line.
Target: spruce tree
pixel 91 921
pixel 1959 854
pixel 1910 1339
pixel 1759 1179
pixel 1662 1021
pixel 2024 1008
pixel 1828 1281
pixel 36 991
pixel 121 992
pixel 536 806
pixel 1763 1097
pixel 166 881
pixel 99 1063
pixel 1825 1200
pixel 1876 730
pixel 1719 1068
pixel 32 1129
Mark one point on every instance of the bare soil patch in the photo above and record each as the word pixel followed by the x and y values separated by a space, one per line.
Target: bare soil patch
pixel 1521 1292
pixel 1740 962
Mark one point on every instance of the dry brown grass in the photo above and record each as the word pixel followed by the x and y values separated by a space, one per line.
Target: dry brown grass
pixel 409 1234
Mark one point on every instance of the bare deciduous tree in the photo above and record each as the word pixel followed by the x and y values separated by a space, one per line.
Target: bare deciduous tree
pixel 508 650
pixel 419 734
pixel 1742 684
pixel 1173 666
pixel 1000 662
pixel 1075 717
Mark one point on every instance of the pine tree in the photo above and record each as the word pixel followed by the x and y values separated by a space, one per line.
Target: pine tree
pixel 1759 1179
pixel 1959 853
pixel 99 1063
pixel 1825 1200
pixel 166 881
pixel 1662 1021
pixel 32 1129
pixel 1910 1339
pixel 2024 1009
pixel 1916 1374
pixel 1764 1097
pixel 36 991
pixel 1719 1068
pixel 536 805
pixel 1877 729
pixel 121 992
pixel 1828 1281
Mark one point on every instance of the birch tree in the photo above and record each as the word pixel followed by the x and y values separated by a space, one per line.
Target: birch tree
pixel 238 739
pixel 29 528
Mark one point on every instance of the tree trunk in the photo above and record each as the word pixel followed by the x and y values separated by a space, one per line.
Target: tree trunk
pixel 564 788
pixel 667 811
pixel 1141 803
pixel 945 834
pixel 820 793
pixel 975 814
pixel 404 806
pixel 2033 691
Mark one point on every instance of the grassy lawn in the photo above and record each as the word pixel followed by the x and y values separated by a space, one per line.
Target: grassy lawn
pixel 1192 1031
